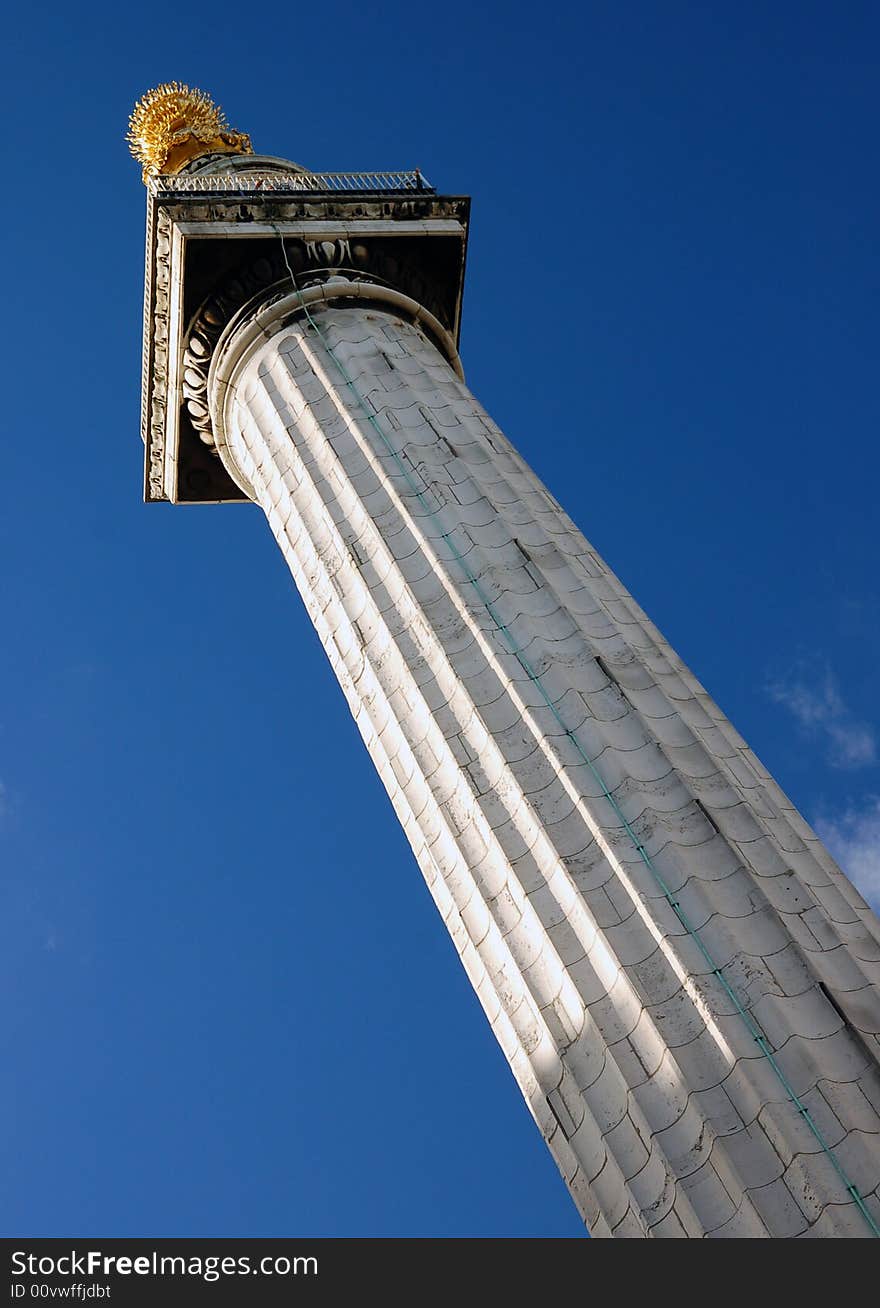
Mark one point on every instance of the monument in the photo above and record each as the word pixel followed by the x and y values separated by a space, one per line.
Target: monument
pixel 683 981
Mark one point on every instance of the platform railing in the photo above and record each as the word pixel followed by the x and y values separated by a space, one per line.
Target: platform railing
pixel 247 182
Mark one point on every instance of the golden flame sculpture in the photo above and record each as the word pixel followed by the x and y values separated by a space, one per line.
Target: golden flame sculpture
pixel 173 124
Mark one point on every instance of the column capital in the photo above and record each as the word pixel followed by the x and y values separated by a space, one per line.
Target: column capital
pixel 265 314
pixel 214 243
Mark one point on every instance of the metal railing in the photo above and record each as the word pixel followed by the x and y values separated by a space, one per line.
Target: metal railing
pixel 246 182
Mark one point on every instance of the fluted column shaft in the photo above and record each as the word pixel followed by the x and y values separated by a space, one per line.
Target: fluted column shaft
pixel 620 876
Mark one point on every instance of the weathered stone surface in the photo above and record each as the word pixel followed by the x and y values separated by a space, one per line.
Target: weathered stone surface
pixel 575 801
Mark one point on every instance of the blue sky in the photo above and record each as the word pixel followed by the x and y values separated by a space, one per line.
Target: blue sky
pixel 230 1006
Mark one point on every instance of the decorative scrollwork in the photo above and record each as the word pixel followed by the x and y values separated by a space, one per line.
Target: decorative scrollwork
pixel 154 414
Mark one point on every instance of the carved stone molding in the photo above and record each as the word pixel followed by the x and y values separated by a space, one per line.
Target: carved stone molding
pixel 156 365
pixel 207 325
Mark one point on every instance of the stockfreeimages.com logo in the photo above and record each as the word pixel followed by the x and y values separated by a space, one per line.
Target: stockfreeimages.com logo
pixel 95 1263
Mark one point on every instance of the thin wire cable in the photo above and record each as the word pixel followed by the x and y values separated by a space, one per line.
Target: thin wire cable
pixel 514 648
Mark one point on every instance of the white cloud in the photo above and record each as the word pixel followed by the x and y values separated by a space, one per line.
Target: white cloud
pixel 854 840
pixel 818 706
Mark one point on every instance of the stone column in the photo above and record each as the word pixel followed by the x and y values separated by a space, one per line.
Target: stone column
pixel 678 973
